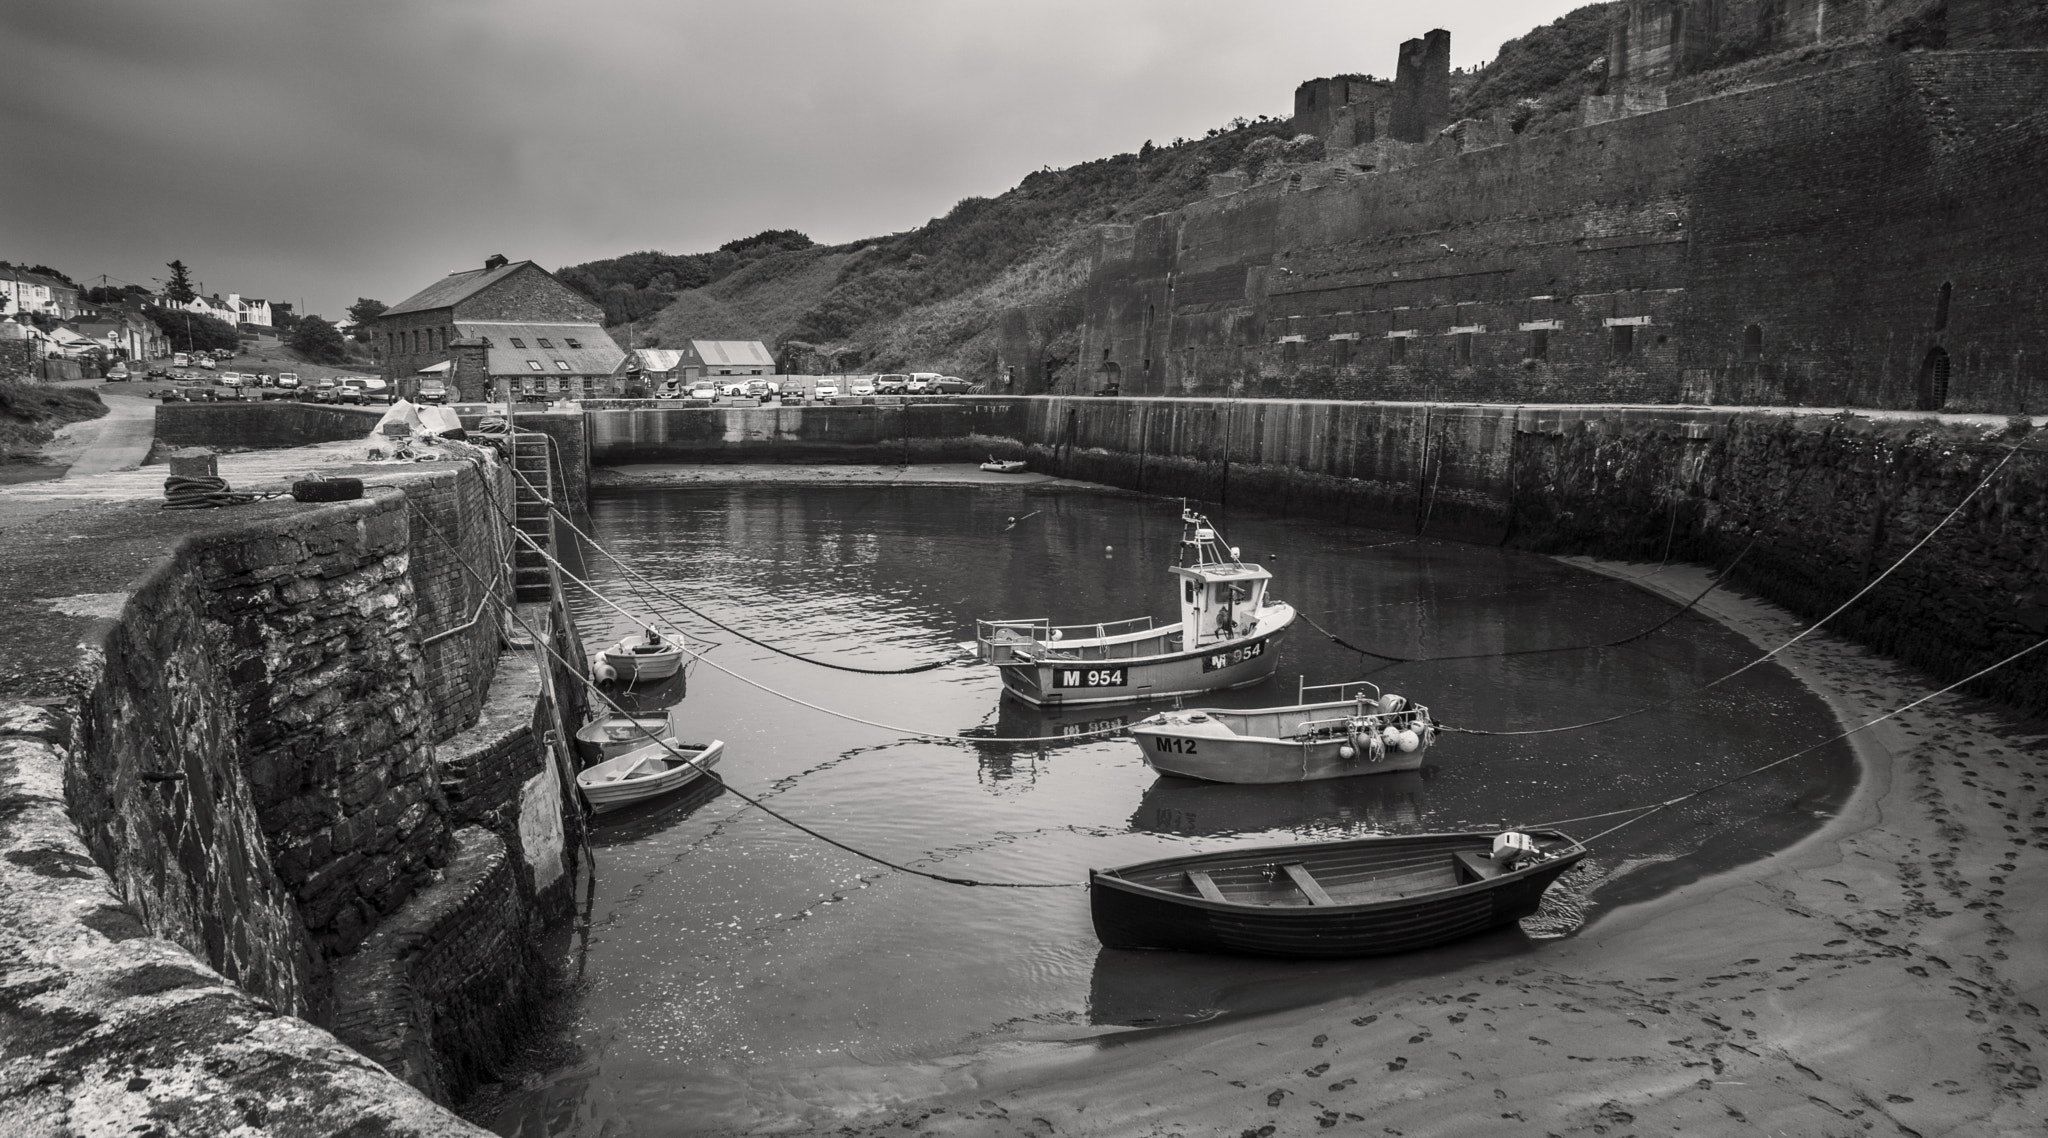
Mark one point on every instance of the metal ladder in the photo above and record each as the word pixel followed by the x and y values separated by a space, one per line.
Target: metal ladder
pixel 532 511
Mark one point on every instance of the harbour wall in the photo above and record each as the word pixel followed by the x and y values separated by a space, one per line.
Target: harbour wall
pixel 261 425
pixel 224 822
pixel 1816 504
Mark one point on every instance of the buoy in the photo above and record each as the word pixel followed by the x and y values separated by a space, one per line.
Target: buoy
pixel 1107 549
pixel 1391 736
pixel 1410 741
pixel 1347 751
pixel 604 673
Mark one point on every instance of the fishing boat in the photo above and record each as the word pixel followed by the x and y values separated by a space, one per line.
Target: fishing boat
pixel 638 659
pixel 1228 637
pixel 641 774
pixel 609 738
pixel 1361 731
pixel 1360 897
pixel 1003 465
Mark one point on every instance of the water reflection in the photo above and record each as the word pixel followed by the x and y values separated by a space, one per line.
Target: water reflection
pixel 1325 809
pixel 645 699
pixel 643 820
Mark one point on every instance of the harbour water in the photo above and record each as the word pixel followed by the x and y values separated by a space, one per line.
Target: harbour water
pixel 737 973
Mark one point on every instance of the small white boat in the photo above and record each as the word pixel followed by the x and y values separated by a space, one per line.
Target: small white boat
pixel 647 772
pixel 1003 465
pixel 1228 637
pixel 638 659
pixel 610 738
pixel 1368 733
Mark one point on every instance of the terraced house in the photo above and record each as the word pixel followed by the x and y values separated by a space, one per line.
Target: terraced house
pixel 507 329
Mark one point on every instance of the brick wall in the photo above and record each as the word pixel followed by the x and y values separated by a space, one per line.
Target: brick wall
pixel 464 505
pixel 1824 212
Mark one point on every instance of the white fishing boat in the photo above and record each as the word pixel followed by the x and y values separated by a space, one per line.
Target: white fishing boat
pixel 1362 731
pixel 609 738
pixel 638 659
pixel 1228 636
pixel 1003 465
pixel 646 772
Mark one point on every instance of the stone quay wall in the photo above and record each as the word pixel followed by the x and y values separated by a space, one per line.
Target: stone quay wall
pixel 219 788
pixel 1831 500
pixel 261 425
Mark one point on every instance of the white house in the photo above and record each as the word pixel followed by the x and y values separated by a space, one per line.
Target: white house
pixel 253 309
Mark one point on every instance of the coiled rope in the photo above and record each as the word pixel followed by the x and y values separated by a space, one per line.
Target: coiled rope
pixel 661 591
pixel 186 492
pixel 546 644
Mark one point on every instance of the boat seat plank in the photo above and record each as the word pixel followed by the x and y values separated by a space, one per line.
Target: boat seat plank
pixel 1205 885
pixel 1307 883
pixel 1481 869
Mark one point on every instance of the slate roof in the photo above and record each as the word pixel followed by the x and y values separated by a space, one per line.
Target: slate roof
pixel 599 355
pixel 454 288
pixel 658 359
pixel 733 353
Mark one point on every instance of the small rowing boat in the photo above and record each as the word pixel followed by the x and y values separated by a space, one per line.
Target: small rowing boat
pixel 1003 465
pixel 1228 637
pixel 1366 733
pixel 610 738
pixel 1361 897
pixel 638 659
pixel 644 773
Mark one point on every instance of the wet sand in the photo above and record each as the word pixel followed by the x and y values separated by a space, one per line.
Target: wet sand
pixel 1882 976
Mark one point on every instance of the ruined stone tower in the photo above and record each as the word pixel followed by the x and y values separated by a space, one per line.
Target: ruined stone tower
pixel 1422 88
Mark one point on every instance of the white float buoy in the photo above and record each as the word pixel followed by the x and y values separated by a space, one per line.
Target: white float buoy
pixel 1347 751
pixel 1410 740
pixel 1392 736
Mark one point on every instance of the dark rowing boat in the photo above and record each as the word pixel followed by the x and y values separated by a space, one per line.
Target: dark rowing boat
pixel 1363 897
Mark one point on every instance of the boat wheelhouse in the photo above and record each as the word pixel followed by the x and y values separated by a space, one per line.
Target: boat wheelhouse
pixel 1228 636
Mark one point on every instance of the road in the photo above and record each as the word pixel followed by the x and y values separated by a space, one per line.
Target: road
pixel 118 441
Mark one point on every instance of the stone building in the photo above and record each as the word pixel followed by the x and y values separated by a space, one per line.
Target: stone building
pixel 509 328
pixel 1853 224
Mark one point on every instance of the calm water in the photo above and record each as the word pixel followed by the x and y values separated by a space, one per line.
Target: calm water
pixel 736 972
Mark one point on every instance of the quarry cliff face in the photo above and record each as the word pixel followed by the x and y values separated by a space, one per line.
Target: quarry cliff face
pixel 1848 226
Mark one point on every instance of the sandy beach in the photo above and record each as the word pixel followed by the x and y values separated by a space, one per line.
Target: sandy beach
pixel 1882 976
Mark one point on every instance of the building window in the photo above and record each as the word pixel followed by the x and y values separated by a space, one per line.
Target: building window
pixel 533 365
pixel 1539 343
pixel 1343 352
pixel 1753 343
pixel 518 343
pixel 1397 350
pixel 1464 347
pixel 1621 341
pixel 545 343
pixel 572 342
pixel 561 365
pixel 1941 306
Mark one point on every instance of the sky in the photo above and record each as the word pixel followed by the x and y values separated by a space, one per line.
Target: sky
pixel 316 152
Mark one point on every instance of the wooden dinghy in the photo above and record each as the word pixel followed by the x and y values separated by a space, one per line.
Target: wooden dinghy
pixel 638 659
pixel 1003 465
pixel 1367 733
pixel 609 738
pixel 1228 637
pixel 639 775
pixel 1362 897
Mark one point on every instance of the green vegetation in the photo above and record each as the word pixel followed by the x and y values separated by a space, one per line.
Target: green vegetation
pixel 316 339
pixel 179 289
pixel 192 332
pixel 1539 77
pixel 637 285
pixel 31 412
pixel 363 313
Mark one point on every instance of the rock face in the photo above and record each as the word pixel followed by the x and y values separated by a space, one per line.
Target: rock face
pixel 218 778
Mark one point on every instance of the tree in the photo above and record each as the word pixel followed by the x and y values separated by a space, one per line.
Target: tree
pixel 179 288
pixel 316 339
pixel 364 312
pixel 282 317
pixel 191 332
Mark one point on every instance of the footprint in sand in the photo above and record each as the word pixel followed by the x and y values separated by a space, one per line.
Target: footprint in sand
pixel 1318 1041
pixel 1316 1071
pixel 1398 1063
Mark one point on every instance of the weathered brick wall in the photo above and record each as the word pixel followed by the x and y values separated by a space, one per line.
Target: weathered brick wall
pixel 1825 211
pixel 530 294
pixel 458 532
pixel 410 341
pixel 261 425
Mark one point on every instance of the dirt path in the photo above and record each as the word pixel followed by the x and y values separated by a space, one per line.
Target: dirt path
pixel 1884 976
pixel 119 440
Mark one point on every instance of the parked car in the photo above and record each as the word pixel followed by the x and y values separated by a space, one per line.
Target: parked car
pixel 288 379
pixel 732 390
pixel 159 373
pixel 204 362
pixel 951 385
pixel 324 390
pixel 182 359
pixel 231 379
pixel 825 391
pixel 352 390
pixel 433 391
pixel 117 374
pixel 891 384
pixel 862 387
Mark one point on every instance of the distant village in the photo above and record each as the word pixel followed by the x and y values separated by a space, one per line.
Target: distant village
pixel 45 317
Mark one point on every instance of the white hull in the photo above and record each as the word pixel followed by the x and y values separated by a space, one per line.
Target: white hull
pixel 1281 744
pixel 646 773
pixel 610 738
pixel 633 663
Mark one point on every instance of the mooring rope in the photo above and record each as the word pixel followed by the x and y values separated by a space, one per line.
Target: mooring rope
pixel 547 645
pixel 201 492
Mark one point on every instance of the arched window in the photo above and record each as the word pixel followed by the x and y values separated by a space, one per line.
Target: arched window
pixel 1753 343
pixel 1941 306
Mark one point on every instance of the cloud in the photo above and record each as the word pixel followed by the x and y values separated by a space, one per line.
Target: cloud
pixel 326 150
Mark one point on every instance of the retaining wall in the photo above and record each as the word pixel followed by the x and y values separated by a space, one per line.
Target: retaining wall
pixel 262 425
pixel 217 778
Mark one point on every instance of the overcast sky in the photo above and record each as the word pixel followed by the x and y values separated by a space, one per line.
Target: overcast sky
pixel 320 151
